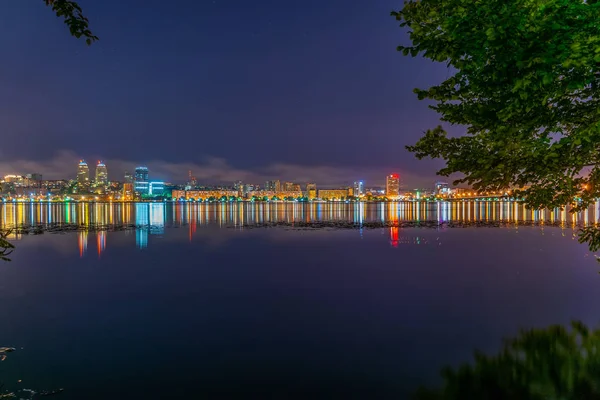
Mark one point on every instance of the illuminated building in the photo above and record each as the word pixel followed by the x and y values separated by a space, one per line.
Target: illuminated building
pixel 311 191
pixel 238 186
pixel 128 194
pixel 442 188
pixel 359 188
pixel 288 187
pixel 203 194
pixel 54 186
pixel 83 173
pixel 141 184
pixel 141 174
pixel 273 186
pixel 333 194
pixel 101 174
pixel 34 180
pixel 156 188
pixel 128 177
pixel 392 185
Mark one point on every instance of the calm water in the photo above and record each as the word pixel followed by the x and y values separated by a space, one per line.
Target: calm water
pixel 193 305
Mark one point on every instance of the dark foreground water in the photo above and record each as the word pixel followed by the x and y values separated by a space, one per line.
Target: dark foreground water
pixel 218 312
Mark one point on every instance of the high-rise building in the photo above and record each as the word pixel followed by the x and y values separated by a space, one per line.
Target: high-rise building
pixel 101 174
pixel 141 184
pixel 392 185
pixel 128 194
pixel 273 186
pixel 83 173
pixel 311 191
pixel 128 177
pixel 359 189
pixel 141 174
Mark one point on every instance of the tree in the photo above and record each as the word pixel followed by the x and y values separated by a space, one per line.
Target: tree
pixel 524 79
pixel 552 363
pixel 73 17
pixel 6 247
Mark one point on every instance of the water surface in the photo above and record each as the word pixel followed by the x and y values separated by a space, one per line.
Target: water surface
pixel 194 305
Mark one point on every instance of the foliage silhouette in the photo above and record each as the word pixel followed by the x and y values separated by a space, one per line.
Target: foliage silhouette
pixel 550 364
pixel 524 78
pixel 6 247
pixel 73 17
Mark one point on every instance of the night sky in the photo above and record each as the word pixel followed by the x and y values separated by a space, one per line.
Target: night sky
pixel 310 90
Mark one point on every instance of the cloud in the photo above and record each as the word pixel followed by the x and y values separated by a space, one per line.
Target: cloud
pixel 63 165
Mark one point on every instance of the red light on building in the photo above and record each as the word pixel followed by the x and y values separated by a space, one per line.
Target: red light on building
pixel 395 176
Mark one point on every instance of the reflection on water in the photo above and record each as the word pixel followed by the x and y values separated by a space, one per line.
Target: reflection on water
pixel 151 218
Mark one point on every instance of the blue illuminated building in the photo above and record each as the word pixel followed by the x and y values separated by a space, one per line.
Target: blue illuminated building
pixel 141 184
pixel 156 188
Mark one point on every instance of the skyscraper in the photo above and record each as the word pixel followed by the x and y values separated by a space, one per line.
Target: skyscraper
pixel 101 174
pixel 83 173
pixel 141 184
pixel 128 177
pixel 359 188
pixel 141 174
pixel 392 185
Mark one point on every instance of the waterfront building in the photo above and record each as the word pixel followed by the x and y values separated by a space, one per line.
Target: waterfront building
pixel 359 189
pixel 83 173
pixel 333 194
pixel 392 186
pixel 128 193
pixel 101 174
pixel 156 188
pixel 442 189
pixel 311 191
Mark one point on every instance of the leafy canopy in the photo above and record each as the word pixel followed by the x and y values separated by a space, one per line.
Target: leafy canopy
pixel 539 364
pixel 6 247
pixel 71 12
pixel 524 81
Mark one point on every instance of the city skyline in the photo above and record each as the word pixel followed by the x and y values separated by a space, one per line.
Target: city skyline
pixel 149 94
pixel 218 173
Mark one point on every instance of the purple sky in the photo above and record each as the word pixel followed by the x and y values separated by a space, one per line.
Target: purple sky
pixel 234 89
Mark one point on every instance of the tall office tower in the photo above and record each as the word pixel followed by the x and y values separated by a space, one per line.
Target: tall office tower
pixel 128 177
pixel 83 173
pixel 392 185
pixel 101 174
pixel 141 184
pixel 359 188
